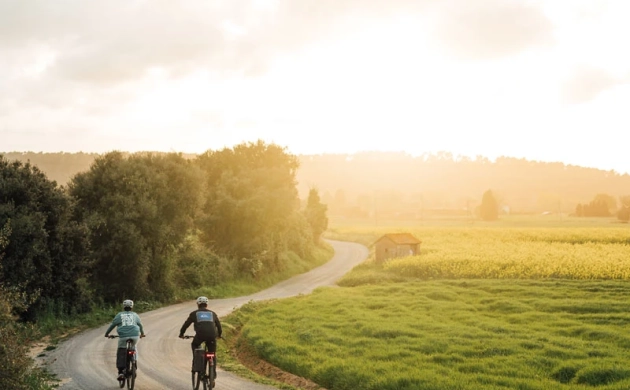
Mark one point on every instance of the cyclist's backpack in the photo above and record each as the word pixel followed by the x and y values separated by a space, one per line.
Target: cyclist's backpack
pixel 121 357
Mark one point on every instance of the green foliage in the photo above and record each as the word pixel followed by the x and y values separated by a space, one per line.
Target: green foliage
pixel 464 334
pixel 140 209
pixel 251 204
pixel 47 256
pixel 316 215
pixel 16 371
pixel 489 209
pixel 198 266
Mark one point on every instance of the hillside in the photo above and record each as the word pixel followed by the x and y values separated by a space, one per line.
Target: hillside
pixel 398 184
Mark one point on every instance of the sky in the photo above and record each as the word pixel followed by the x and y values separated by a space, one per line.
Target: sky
pixel 545 80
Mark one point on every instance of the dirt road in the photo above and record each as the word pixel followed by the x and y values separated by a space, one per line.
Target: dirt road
pixel 87 360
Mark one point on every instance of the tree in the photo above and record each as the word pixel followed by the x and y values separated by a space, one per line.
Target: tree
pixel 139 208
pixel 252 205
pixel 623 214
pixel 47 257
pixel 316 215
pixel 13 357
pixel 608 204
pixel 489 209
pixel 579 210
pixel 602 205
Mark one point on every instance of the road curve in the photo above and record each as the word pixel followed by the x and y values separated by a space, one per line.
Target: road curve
pixel 87 360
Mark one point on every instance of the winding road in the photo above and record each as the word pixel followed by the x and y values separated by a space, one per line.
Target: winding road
pixel 87 360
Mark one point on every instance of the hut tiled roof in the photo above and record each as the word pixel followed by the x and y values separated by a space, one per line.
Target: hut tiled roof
pixel 401 238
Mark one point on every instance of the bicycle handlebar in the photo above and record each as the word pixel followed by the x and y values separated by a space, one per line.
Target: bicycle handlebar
pixel 111 336
pixel 190 337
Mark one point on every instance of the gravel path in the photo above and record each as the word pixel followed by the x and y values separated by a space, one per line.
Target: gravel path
pixel 87 360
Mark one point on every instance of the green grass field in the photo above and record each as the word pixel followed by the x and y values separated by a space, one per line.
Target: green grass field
pixel 521 305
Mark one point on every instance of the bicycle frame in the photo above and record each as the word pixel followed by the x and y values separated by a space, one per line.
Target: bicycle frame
pixel 205 377
pixel 131 353
pixel 130 365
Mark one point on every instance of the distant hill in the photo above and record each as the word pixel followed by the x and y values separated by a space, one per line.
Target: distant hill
pixel 60 167
pixel 399 184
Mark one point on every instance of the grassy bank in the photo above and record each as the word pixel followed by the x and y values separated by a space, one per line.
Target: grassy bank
pixel 465 334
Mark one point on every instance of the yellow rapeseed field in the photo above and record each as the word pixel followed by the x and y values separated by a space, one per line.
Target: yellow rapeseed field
pixel 528 253
pixel 511 252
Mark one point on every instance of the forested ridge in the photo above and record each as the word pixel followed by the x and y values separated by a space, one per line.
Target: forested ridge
pixel 400 184
pixel 145 226
pixel 395 183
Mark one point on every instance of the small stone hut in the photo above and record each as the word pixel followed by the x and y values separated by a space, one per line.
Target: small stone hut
pixel 396 245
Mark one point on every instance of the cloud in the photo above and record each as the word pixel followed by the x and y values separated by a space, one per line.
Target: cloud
pixel 491 28
pixel 93 57
pixel 586 83
pixel 119 40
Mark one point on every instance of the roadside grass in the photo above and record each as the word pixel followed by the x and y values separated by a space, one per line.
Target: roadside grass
pixel 236 355
pixel 60 326
pixel 457 334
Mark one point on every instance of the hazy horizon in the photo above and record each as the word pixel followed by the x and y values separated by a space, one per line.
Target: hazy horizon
pixel 543 80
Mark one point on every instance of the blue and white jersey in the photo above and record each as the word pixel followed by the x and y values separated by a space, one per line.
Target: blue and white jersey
pixel 205 316
pixel 206 324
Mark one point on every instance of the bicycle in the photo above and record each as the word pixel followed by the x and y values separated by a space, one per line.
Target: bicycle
pixel 131 365
pixel 203 373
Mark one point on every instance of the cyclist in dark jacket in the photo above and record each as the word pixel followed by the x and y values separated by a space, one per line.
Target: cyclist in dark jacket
pixel 207 327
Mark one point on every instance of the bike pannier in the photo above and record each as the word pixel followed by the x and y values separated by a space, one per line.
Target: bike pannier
pixel 198 359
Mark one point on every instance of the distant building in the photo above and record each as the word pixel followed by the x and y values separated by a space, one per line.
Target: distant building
pixel 396 245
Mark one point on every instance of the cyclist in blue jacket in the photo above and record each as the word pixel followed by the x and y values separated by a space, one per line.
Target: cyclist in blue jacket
pixel 207 327
pixel 128 326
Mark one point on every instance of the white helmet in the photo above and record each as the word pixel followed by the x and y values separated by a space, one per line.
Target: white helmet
pixel 202 300
pixel 128 303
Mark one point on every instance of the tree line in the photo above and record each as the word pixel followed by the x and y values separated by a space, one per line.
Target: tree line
pixel 390 184
pixel 146 225
pixel 398 183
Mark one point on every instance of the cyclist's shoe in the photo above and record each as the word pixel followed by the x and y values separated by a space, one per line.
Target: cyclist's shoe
pixel 121 376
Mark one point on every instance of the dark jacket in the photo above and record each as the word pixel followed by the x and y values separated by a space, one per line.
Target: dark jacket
pixel 207 324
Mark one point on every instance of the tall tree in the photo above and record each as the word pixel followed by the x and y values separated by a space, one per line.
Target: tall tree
pixel 140 209
pixel 489 209
pixel 316 215
pixel 13 358
pixel 47 256
pixel 251 204
pixel 623 214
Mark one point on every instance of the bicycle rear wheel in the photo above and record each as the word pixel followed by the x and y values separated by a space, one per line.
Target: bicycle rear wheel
pixel 210 376
pixel 204 378
pixel 131 379
pixel 196 380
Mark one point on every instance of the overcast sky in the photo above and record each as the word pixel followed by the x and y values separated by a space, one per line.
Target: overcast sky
pixel 541 79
